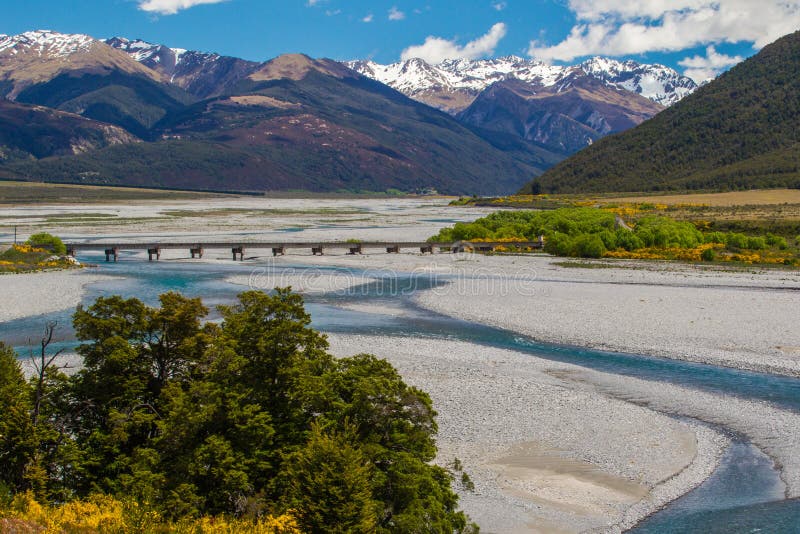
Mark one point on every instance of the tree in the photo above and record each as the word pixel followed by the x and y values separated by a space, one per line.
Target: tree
pixel 17 443
pixel 330 484
pixel 249 417
pixel 51 242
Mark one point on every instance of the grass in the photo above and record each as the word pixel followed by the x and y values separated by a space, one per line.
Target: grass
pixel 765 197
pixel 223 212
pixel 17 193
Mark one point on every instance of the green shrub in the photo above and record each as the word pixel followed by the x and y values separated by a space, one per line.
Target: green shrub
pixel 708 255
pixel 736 240
pixel 715 237
pixel 589 246
pixel 777 241
pixel 756 243
pixel 628 240
pixel 559 245
pixel 665 232
pixel 45 240
pixel 609 239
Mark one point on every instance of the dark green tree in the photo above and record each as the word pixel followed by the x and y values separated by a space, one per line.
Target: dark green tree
pixel 17 440
pixel 330 484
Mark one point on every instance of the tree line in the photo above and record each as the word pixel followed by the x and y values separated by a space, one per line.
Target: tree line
pixel 241 418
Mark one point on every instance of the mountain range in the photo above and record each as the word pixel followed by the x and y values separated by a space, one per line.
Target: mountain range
pixel 741 131
pixel 127 112
pixel 454 84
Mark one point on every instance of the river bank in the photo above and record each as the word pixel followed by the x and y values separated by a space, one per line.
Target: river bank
pixel 546 453
pixel 740 318
pixel 38 293
pixel 548 444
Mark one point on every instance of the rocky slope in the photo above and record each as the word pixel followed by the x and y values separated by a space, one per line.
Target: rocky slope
pixel 199 73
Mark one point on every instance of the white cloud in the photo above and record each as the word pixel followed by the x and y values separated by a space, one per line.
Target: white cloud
pixel 333 12
pixel 170 7
pixel 368 18
pixel 436 49
pixel 500 6
pixel 619 27
pixel 701 68
pixel 396 14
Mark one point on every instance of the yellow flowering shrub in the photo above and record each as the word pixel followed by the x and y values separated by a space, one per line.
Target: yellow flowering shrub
pixel 103 514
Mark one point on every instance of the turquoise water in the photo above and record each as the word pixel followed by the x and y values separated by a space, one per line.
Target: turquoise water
pixel 742 496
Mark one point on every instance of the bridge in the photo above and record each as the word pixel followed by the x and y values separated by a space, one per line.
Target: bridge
pixel 196 249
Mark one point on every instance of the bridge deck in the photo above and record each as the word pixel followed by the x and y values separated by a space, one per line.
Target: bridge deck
pixel 238 248
pixel 291 245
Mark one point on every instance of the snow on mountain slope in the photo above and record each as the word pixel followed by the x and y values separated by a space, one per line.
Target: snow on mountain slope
pixel 656 82
pixel 45 43
pixel 202 74
pixel 39 56
pixel 455 83
pixel 155 56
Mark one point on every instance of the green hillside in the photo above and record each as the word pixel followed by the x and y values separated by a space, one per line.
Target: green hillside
pixel 741 131
pixel 131 101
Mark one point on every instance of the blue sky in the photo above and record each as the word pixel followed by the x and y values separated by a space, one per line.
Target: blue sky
pixel 698 37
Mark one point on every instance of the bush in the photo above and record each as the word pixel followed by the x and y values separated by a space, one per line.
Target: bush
pixel 558 245
pixel 715 237
pixel 736 240
pixel 777 241
pixel 708 255
pixel 589 246
pixel 756 243
pixel 45 240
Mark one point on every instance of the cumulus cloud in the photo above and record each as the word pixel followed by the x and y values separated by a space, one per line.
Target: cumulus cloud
pixel 499 6
pixel 170 7
pixel 436 49
pixel 396 14
pixel 368 18
pixel 701 68
pixel 620 27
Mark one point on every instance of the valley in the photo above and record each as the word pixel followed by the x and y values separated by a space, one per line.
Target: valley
pixel 284 268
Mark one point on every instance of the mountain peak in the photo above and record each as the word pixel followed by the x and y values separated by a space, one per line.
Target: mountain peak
pixel 297 67
pixel 46 42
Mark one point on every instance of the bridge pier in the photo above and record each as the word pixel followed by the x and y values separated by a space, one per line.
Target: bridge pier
pixel 153 252
pixel 111 252
pixel 278 251
pixel 317 251
pixel 393 249
pixel 198 251
pixel 238 251
pixel 426 248
pixel 355 249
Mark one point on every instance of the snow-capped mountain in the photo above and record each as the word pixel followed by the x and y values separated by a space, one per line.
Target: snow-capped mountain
pixel 200 73
pixel 454 84
pixel 39 56
pixel 658 83
pixel 45 43
pixel 157 57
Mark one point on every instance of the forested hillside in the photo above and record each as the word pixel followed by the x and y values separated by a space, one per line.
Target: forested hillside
pixel 739 131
